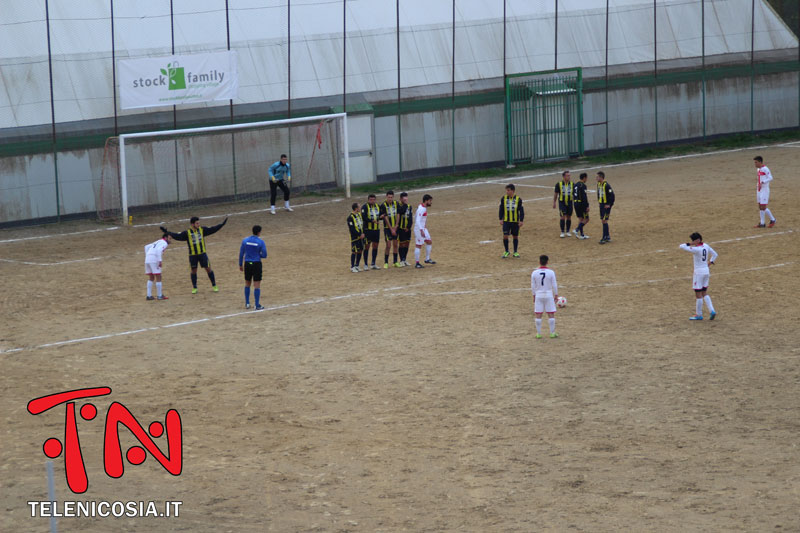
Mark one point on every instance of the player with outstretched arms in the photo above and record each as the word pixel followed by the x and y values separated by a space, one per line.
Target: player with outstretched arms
pixel 545 293
pixel 704 255
pixel 421 235
pixel 762 192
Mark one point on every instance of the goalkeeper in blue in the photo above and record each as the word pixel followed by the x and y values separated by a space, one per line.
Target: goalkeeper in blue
pixel 252 250
pixel 280 175
pixel 704 255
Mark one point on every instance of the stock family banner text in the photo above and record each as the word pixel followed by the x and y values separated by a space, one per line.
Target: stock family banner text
pixel 172 80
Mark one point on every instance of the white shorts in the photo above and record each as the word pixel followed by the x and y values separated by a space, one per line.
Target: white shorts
pixel 763 196
pixel 700 281
pixel 544 303
pixel 152 268
pixel 419 240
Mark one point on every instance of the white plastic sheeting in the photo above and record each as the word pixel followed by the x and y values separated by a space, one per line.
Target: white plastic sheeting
pixel 259 31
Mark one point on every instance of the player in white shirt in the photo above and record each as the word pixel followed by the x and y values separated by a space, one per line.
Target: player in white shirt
pixel 152 265
pixel 545 293
pixel 704 255
pixel 762 192
pixel 421 235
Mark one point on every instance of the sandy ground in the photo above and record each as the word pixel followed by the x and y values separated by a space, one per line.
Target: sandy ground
pixel 418 400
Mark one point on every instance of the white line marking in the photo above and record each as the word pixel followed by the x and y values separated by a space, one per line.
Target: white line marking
pixel 390 291
pixel 56 263
pixel 58 235
pixel 486 242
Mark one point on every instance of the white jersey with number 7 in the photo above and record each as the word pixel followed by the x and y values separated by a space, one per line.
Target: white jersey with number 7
pixel 543 282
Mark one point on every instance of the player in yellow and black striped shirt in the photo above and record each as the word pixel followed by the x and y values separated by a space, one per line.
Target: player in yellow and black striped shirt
pixel 195 238
pixel 371 214
pixel 356 226
pixel 389 212
pixel 563 195
pixel 605 197
pixel 511 215
pixel 405 217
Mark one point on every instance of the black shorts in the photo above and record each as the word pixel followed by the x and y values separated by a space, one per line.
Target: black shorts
pixel 357 245
pixel 387 233
pixel 202 259
pixel 511 228
pixel 605 212
pixel 565 209
pixel 403 235
pixel 373 235
pixel 580 211
pixel 252 270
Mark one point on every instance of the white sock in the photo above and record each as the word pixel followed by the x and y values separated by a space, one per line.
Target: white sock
pixel 769 214
pixel 286 203
pixel 416 255
pixel 538 326
pixel 707 300
pixel 158 289
pixel 149 288
pixel 552 322
pixel 428 251
pixel 699 307
pixel 761 215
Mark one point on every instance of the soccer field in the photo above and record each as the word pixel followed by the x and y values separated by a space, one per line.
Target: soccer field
pixel 418 400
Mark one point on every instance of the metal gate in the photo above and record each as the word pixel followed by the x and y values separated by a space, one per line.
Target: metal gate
pixel 544 116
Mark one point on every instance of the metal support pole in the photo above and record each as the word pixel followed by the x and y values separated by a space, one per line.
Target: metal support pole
pixel 752 63
pixel 114 69
pixel 399 114
pixel 703 56
pixel 230 104
pixel 344 56
pixel 453 94
pixel 52 110
pixel 655 66
pixel 606 72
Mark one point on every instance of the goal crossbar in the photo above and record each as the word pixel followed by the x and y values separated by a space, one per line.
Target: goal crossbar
pixel 230 127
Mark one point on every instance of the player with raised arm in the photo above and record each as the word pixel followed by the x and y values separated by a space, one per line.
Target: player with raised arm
pixel 280 175
pixel 252 250
pixel 704 255
pixel 152 265
pixel 421 235
pixel 195 237
pixel 762 192
pixel 545 293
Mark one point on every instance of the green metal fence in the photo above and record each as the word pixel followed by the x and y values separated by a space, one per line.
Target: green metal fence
pixel 544 116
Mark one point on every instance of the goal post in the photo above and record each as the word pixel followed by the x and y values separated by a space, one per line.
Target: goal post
pixel 185 167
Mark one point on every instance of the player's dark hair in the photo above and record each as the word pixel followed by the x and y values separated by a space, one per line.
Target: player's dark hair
pixel 511 186
pixel 403 194
pixel 283 155
pixel 601 174
pixel 543 259
pixel 564 173
pixel 583 175
pixel 256 229
pixel 354 206
pixel 427 197
pixel 695 237
pixel 371 196
pixel 389 192
pixel 758 158
pixel 165 235
pixel 193 220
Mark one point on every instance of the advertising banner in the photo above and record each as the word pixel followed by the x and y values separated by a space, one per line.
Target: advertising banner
pixel 173 80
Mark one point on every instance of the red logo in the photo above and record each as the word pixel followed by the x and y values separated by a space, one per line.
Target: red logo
pixel 112 451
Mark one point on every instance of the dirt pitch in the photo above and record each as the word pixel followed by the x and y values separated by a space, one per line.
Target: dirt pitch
pixel 418 400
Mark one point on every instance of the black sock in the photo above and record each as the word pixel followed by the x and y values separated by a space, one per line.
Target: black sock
pixel 194 280
pixel 569 224
pixel 366 256
pixel 505 244
pixel 605 231
pixel 394 254
pixel 374 255
pixel 562 225
pixel 352 260
pixel 385 258
pixel 211 277
pixel 516 243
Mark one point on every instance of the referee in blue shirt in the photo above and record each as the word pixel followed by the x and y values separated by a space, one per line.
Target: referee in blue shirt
pixel 251 252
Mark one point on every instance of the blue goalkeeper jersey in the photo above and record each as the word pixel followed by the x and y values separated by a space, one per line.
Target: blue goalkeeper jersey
pixel 252 250
pixel 278 172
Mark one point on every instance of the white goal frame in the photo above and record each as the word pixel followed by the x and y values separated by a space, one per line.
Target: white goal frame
pixel 123 179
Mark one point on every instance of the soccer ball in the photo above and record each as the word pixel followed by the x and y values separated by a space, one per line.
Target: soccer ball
pixel 561 302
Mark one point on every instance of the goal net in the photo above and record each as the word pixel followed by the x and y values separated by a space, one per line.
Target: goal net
pixel 176 169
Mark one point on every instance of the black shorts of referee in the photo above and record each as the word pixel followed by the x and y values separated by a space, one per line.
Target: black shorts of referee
pixel 252 271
